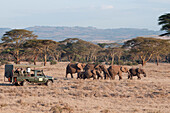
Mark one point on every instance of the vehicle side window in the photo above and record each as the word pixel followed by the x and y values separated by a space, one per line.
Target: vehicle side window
pixel 32 75
pixel 39 75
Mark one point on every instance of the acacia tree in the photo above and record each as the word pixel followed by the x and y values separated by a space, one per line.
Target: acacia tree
pixel 146 48
pixel 161 47
pixel 77 49
pixel 112 52
pixel 13 41
pixel 58 52
pixel 46 47
pixel 33 48
pixel 164 20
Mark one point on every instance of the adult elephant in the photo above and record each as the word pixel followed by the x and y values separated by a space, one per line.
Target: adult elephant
pixel 92 70
pixel 117 70
pixel 87 74
pixel 104 69
pixel 136 72
pixel 89 66
pixel 74 68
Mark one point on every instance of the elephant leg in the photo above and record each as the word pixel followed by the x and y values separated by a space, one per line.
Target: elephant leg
pixel 108 76
pixel 120 76
pixel 71 75
pixel 99 75
pixel 66 75
pixel 138 75
pixel 78 75
pixel 113 77
pixel 84 77
pixel 104 76
pixel 129 76
pixel 94 77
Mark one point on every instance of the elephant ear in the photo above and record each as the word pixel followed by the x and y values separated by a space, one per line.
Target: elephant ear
pixel 97 66
pixel 103 67
pixel 93 72
pixel 83 65
pixel 138 70
pixel 122 69
pixel 126 69
pixel 79 66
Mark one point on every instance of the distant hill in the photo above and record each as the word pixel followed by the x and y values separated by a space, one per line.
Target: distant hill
pixel 86 33
pixel 3 30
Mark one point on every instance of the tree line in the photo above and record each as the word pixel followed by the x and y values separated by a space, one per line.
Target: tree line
pixel 22 45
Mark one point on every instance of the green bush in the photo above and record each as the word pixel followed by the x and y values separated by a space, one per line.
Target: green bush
pixel 4 62
pixel 120 62
pixel 134 63
pixel 53 62
pixel 129 63
pixel 82 60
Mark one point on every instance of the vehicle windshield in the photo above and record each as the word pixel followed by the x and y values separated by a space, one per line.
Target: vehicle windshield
pixel 37 72
pixel 40 73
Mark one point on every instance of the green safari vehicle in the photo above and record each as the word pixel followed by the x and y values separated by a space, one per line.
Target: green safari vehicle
pixel 18 76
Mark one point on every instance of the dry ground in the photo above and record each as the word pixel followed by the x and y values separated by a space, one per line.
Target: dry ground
pixel 149 95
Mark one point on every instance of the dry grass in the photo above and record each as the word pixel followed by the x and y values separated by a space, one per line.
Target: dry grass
pixel 151 94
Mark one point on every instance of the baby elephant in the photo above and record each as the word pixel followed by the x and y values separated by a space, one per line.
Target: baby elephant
pixel 87 74
pixel 136 72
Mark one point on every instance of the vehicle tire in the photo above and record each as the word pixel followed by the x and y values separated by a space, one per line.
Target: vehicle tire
pixel 16 84
pixel 49 83
pixel 25 83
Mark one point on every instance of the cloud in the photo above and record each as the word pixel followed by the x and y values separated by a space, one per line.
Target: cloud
pixel 105 7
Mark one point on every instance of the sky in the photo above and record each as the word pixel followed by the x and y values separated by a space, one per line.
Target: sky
pixel 104 14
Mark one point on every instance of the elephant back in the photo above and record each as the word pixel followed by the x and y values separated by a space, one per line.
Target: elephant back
pixel 88 73
pixel 89 66
pixel 114 68
pixel 133 71
pixel 124 69
pixel 73 68
pixel 79 65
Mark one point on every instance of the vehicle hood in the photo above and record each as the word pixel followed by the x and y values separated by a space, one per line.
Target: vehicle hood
pixel 50 77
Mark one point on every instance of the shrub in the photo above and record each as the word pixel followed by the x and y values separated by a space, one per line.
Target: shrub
pixel 4 62
pixel 129 63
pixel 134 63
pixel 120 62
pixel 53 62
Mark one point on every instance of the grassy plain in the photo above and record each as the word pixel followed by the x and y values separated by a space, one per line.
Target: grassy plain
pixel 151 94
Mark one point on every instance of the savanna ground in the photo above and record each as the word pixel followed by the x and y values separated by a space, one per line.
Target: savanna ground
pixel 151 94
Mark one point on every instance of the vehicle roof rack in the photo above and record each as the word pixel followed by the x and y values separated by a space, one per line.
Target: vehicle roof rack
pixel 24 65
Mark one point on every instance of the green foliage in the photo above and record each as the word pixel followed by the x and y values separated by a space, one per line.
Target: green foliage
pixel 17 36
pixel 77 47
pixel 129 63
pixel 109 45
pixel 4 62
pixel 77 50
pixel 13 41
pixel 53 62
pixel 120 62
pixel 146 48
pixel 164 20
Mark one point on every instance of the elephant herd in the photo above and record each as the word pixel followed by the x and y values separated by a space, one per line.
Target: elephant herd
pixel 99 71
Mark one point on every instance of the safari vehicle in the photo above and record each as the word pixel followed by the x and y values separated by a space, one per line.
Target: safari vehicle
pixel 22 77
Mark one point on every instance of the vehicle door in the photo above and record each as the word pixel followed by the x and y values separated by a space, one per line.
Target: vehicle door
pixel 39 77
